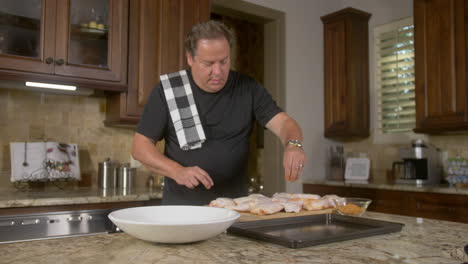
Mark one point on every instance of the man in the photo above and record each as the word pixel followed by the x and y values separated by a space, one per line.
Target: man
pixel 206 126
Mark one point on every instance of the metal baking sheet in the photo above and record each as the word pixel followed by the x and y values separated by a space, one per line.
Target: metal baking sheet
pixel 311 230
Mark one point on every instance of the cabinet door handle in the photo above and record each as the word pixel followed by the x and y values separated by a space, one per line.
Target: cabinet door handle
pixel 59 62
pixel 49 60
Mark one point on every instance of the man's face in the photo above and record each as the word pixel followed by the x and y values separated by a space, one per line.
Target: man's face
pixel 211 64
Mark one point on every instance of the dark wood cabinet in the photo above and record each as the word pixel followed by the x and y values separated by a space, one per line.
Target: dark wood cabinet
pixel 157 33
pixel 75 42
pixel 449 207
pixel 440 59
pixel 346 68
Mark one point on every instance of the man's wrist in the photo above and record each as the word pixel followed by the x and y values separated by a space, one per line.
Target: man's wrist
pixel 294 142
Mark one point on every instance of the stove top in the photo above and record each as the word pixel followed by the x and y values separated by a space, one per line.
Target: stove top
pixel 17 228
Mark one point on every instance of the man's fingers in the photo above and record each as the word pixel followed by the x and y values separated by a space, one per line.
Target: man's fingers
pixel 206 179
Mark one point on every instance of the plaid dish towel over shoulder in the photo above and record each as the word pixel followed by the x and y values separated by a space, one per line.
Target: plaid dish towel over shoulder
pixel 184 114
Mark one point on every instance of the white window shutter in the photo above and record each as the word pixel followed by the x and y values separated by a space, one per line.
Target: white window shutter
pixel 394 46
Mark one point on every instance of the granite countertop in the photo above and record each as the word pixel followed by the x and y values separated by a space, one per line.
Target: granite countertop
pixel 421 241
pixel 17 198
pixel 392 186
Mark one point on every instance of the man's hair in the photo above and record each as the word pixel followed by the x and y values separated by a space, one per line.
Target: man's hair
pixel 207 30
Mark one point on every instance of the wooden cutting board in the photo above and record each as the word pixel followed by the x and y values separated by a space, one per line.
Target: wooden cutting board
pixel 246 217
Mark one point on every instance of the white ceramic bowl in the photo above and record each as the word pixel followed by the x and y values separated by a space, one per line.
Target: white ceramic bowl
pixel 173 224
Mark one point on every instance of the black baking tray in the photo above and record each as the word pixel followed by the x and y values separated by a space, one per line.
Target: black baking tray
pixel 311 230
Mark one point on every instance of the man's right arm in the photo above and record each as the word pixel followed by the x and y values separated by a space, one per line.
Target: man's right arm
pixel 145 151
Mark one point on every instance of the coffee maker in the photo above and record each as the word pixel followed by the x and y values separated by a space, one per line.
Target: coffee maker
pixel 420 164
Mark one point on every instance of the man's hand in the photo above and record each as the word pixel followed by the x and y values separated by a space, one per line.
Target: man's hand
pixel 191 177
pixel 293 161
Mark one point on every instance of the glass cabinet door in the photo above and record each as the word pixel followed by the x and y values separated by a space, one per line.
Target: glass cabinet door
pixel 91 39
pixel 89 33
pixel 24 35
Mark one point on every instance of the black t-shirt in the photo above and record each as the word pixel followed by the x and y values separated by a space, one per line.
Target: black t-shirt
pixel 226 117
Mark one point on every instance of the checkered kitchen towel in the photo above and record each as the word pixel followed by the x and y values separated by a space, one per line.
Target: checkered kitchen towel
pixel 184 114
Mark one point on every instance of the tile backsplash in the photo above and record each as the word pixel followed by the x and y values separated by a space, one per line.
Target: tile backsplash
pixel 34 116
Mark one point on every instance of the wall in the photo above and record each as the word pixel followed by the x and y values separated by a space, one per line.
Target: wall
pixel 33 116
pixel 304 75
pixel 304 81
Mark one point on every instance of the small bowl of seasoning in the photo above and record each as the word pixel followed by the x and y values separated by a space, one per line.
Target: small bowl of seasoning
pixel 352 206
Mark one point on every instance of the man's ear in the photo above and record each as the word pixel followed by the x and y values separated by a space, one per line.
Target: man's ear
pixel 189 58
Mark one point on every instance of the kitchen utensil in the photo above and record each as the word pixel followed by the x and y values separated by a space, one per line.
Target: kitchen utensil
pixel 107 174
pixel 150 182
pixel 357 169
pixel 352 206
pixel 245 217
pixel 126 177
pixel 173 224
pixel 311 230
pixel 336 163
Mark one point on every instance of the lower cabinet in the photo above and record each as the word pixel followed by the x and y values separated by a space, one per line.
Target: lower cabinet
pixel 449 207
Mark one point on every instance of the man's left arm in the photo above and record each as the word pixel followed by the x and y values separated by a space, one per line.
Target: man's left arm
pixel 290 134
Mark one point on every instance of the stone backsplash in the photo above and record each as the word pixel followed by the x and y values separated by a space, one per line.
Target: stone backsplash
pixel 383 155
pixel 34 116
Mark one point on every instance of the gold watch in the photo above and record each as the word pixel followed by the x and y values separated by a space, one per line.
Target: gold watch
pixel 295 143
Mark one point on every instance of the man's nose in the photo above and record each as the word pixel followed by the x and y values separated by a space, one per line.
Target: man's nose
pixel 216 68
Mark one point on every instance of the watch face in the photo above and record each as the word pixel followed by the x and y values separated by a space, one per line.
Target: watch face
pixel 295 142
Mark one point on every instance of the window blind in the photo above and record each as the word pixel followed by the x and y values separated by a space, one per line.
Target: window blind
pixel 395 77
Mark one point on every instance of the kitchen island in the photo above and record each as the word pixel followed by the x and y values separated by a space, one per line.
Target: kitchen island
pixel 421 241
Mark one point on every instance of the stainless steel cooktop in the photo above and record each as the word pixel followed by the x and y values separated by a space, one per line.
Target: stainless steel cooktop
pixel 54 225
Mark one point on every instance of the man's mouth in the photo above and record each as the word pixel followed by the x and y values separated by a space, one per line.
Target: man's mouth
pixel 216 81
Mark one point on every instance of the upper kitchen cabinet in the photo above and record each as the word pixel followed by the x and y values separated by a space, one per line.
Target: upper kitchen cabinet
pixel 346 68
pixel 157 32
pixel 440 59
pixel 81 42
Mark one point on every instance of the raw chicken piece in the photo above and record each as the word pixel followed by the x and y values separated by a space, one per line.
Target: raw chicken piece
pixel 257 195
pixel 290 207
pixel 222 202
pixel 279 199
pixel 258 200
pixel 315 204
pixel 305 196
pixel 266 208
pixel 242 199
pixel 243 207
pixel 331 200
pixel 283 195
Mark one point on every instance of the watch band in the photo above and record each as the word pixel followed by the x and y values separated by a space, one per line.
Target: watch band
pixel 294 142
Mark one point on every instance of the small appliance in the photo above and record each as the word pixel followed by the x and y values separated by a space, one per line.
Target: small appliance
pixel 420 165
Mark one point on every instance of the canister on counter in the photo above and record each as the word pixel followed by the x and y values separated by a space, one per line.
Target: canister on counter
pixel 107 174
pixel 126 177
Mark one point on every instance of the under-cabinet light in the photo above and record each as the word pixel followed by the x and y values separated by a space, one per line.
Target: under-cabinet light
pixel 51 86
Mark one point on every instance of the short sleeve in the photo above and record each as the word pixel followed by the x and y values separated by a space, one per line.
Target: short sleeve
pixel 153 122
pixel 265 108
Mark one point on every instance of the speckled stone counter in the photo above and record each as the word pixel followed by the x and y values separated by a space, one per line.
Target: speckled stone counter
pixel 420 241
pixel 390 186
pixel 16 198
